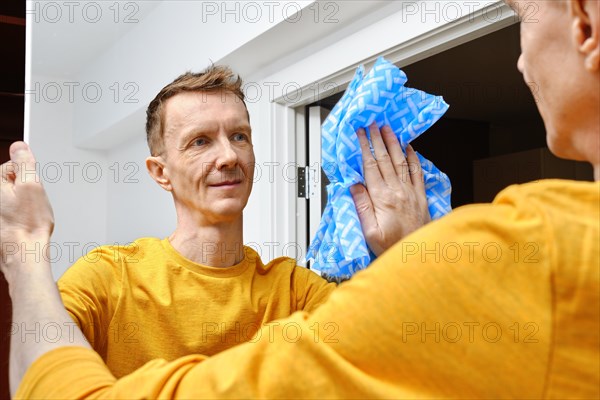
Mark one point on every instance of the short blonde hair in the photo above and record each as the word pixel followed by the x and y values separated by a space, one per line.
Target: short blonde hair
pixel 214 78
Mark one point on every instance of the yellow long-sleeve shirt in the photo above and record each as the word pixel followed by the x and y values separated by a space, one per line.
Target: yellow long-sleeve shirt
pixel 493 301
pixel 144 301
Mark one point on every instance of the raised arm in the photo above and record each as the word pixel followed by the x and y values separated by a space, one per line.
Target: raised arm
pixel 26 223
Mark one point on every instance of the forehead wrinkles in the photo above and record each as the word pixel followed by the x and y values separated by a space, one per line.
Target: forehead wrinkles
pixel 180 111
pixel 206 106
pixel 204 115
pixel 174 121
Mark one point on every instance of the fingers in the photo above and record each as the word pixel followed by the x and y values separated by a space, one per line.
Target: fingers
pixel 390 160
pixel 390 165
pixel 23 159
pixel 417 178
pixel 382 147
pixel 398 160
pixel 370 167
pixel 365 210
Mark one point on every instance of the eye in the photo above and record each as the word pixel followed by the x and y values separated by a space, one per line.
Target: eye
pixel 240 137
pixel 199 142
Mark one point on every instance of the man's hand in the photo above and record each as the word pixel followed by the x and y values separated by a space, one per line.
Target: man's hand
pixel 25 212
pixel 394 203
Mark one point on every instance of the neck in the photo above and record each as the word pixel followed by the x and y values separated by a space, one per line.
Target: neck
pixel 591 150
pixel 212 244
pixel 585 135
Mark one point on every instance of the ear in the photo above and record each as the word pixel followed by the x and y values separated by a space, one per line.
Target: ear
pixel 158 171
pixel 585 31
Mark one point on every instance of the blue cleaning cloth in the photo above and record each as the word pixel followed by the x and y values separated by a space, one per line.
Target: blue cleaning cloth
pixel 339 248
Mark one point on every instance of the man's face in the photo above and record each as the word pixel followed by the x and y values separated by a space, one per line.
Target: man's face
pixel 549 68
pixel 209 158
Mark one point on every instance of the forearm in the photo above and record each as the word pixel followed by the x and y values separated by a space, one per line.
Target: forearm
pixel 37 308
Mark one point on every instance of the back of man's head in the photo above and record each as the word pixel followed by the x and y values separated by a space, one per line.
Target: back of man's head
pixel 213 79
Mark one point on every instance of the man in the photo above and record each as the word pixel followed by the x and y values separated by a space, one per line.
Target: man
pixel 464 323
pixel 199 291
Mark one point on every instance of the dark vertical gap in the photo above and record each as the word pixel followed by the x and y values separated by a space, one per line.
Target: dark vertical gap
pixel 324 180
pixel 306 157
pixel 12 110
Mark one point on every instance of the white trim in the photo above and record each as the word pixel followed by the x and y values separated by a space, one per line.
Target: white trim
pixel 283 196
pixel 465 29
pixel 28 41
pixel 318 19
pixel 316 116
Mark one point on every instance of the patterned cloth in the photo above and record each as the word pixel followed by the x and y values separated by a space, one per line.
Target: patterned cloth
pixel 339 249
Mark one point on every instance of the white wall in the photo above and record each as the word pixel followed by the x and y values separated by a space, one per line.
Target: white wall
pixel 75 179
pixel 137 206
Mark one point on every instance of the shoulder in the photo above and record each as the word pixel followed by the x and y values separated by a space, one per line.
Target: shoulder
pixel 106 262
pixel 281 266
pixel 136 251
pixel 551 193
pixel 124 253
pixel 559 205
pixel 276 265
pixel 525 206
pixel 308 289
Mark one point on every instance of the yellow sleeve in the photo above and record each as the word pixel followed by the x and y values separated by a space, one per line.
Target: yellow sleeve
pixel 90 289
pixel 461 308
pixel 94 380
pixel 310 289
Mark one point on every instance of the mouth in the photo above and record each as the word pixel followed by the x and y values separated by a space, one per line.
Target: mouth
pixel 227 184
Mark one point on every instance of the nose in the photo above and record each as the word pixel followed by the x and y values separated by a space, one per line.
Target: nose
pixel 227 157
pixel 521 64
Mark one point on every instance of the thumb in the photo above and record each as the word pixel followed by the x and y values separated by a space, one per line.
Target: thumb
pixel 21 155
pixel 364 207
